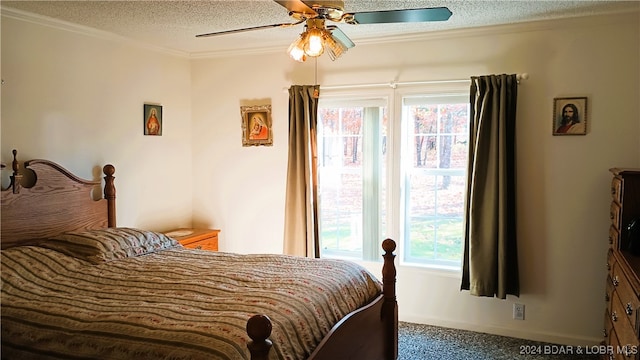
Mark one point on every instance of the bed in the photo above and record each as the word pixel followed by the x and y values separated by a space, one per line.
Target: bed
pixel 75 285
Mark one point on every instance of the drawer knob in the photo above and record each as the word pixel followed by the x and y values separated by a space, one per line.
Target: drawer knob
pixel 606 297
pixel 629 309
pixel 615 281
pixel 604 332
pixel 614 316
pixel 612 216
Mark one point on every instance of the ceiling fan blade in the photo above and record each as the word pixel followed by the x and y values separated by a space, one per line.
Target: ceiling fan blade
pixel 341 36
pixel 400 16
pixel 296 6
pixel 248 29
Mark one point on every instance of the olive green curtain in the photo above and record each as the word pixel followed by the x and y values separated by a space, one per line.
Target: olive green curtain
pixel 490 260
pixel 301 212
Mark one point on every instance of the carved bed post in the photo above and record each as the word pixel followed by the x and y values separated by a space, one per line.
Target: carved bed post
pixel 110 194
pixel 259 329
pixel 16 177
pixel 389 305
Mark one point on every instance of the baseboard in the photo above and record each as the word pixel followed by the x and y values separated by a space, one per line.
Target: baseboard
pixel 548 337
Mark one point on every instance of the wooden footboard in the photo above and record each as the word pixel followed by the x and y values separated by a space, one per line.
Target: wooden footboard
pixel 369 333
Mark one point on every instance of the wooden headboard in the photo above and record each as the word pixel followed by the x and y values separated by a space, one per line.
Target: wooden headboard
pixel 57 202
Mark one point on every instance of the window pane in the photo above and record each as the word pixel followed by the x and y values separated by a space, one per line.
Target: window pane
pixel 341 215
pixel 351 123
pixel 435 183
pixel 351 180
pixel 435 219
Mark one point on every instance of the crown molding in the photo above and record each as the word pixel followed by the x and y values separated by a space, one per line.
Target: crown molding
pixel 239 52
pixel 83 30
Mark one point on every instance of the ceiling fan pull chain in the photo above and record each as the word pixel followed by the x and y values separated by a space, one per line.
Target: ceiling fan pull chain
pixel 316 91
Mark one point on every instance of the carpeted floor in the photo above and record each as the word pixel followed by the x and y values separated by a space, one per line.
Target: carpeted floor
pixel 418 342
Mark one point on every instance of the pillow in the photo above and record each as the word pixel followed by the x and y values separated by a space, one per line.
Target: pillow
pixel 98 246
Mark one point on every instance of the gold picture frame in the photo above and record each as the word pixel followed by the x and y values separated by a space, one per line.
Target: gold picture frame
pixel 256 125
pixel 570 116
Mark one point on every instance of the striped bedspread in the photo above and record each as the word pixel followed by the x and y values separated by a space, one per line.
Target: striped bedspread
pixel 172 304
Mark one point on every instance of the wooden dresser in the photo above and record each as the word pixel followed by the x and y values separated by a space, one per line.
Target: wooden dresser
pixel 622 317
pixel 205 239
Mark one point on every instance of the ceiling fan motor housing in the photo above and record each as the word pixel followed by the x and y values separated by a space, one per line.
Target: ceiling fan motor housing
pixel 332 10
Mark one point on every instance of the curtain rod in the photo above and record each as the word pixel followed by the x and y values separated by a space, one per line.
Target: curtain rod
pixel 394 84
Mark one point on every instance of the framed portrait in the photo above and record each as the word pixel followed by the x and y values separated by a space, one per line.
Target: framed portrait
pixel 570 116
pixel 152 120
pixel 256 125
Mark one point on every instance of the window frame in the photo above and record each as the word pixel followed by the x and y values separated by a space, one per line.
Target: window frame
pixel 396 191
pixel 382 97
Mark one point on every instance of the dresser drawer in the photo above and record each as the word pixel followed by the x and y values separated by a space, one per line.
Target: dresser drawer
pixel 206 244
pixel 624 330
pixel 614 343
pixel 614 237
pixel 614 214
pixel 609 292
pixel 608 325
pixel 629 302
pixel 616 189
pixel 611 262
pixel 609 333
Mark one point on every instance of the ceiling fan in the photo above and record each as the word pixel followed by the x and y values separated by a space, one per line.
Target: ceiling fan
pixel 319 36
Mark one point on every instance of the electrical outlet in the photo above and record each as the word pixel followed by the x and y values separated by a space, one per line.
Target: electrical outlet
pixel 518 311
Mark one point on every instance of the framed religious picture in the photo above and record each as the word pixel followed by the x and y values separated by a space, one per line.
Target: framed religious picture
pixel 570 116
pixel 152 119
pixel 256 125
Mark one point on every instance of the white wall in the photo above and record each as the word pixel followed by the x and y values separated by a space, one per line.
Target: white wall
pixel 78 100
pixel 68 84
pixel 563 182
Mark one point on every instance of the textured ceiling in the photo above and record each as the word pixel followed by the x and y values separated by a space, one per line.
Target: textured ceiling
pixel 172 25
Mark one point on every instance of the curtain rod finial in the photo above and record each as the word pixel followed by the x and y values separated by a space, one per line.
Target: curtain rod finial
pixel 523 76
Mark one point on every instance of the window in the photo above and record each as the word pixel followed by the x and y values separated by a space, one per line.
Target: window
pixel 399 174
pixel 434 174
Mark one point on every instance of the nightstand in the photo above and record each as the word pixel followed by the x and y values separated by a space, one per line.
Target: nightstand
pixel 205 239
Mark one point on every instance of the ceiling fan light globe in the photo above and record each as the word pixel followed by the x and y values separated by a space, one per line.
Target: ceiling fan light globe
pixel 314 43
pixel 334 48
pixel 298 55
pixel 332 55
pixel 296 49
pixel 338 43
